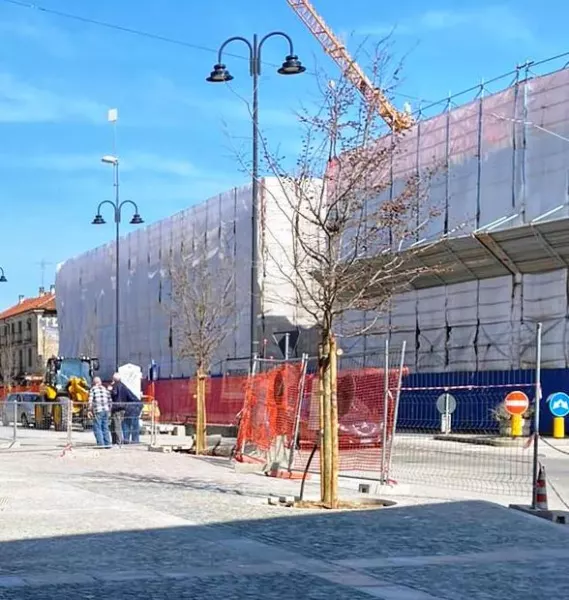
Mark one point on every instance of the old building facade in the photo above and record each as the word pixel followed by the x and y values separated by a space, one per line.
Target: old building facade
pixel 28 337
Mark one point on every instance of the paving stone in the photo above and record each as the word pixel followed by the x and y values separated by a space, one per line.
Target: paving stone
pixel 531 579
pixel 150 525
pixel 226 587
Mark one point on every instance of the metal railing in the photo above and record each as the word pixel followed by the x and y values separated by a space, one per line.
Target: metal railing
pixel 65 424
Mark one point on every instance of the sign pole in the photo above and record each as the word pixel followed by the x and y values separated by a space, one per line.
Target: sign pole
pixel 558 403
pixel 516 425
pixel 446 405
pixel 558 427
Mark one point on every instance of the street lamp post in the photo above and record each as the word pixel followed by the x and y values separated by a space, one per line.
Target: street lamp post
pixel 2 276
pixel 136 219
pixel 291 66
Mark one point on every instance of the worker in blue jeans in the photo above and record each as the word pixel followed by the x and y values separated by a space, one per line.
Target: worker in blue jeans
pixel 131 423
pixel 124 397
pixel 100 410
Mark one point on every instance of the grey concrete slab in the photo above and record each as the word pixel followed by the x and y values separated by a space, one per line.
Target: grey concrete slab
pixel 408 531
pixel 272 586
pixel 530 579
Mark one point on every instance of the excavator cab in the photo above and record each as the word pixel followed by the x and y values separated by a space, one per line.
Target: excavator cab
pixel 66 378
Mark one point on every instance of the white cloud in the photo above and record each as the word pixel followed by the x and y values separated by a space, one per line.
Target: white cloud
pixel 147 162
pixel 36 31
pixel 500 21
pixel 227 103
pixel 22 102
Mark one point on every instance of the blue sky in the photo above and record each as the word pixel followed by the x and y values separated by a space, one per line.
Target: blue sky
pixel 58 77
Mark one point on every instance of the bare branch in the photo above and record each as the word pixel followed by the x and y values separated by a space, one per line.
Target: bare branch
pixel 354 237
pixel 202 303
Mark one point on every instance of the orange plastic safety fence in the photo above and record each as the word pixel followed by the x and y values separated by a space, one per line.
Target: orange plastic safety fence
pixel 365 422
pixel 271 401
pixel 177 402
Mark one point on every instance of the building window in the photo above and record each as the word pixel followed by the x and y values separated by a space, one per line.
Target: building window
pixel 13 328
pixel 21 361
pixel 30 357
pixel 29 324
pixel 19 326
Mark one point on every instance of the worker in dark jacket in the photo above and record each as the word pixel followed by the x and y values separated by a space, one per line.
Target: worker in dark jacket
pixel 117 412
pixel 125 399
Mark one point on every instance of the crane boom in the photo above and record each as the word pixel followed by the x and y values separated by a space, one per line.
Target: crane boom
pixel 394 118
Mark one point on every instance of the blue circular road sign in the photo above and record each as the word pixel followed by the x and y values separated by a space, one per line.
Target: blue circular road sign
pixel 559 404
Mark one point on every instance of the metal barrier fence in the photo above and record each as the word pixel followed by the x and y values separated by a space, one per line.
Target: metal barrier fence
pixel 454 431
pixel 32 424
pixel 450 430
pixel 280 425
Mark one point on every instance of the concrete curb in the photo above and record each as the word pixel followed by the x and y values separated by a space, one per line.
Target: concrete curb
pixel 560 517
pixel 482 440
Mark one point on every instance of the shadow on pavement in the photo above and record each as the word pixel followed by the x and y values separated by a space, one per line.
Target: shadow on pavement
pixel 191 483
pixel 454 551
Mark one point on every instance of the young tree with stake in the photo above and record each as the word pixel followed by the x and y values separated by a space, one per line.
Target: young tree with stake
pixel 203 314
pixel 353 236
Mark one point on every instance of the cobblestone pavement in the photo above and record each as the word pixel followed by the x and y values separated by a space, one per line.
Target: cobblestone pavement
pixel 133 524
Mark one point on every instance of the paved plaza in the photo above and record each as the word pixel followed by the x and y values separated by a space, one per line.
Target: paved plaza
pixel 135 524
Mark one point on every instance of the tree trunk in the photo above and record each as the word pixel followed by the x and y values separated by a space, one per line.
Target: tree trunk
pixel 326 451
pixel 329 421
pixel 201 418
pixel 322 423
pixel 334 442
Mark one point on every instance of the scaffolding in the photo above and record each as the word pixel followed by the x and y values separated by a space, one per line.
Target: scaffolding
pixel 506 153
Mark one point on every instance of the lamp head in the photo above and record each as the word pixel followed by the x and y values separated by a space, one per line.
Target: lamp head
pixel 136 219
pixel 109 159
pixel 292 66
pixel 219 74
pixel 3 278
pixel 98 220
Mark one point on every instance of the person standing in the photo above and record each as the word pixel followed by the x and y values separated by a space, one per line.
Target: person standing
pixel 126 398
pixel 100 409
pixel 118 410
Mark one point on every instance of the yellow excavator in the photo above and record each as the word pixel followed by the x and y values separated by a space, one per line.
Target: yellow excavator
pixel 65 379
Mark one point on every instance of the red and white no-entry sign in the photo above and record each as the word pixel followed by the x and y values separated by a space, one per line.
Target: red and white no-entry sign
pixel 516 403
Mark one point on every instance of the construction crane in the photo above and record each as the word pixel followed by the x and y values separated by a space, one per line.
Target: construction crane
pixel 395 119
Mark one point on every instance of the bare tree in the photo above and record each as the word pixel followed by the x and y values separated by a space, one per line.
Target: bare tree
pixel 89 338
pixel 203 312
pixel 355 203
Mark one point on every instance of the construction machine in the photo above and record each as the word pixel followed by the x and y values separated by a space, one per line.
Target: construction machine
pixel 65 379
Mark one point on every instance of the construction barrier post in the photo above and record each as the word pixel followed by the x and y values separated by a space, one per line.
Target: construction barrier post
pixel 15 432
pixel 536 418
pixel 384 463
pixel 559 427
pixel 517 425
pixel 153 424
pixel 69 420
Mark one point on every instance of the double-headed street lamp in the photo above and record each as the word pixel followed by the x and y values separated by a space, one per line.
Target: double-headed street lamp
pixel 291 66
pixel 2 276
pixel 136 219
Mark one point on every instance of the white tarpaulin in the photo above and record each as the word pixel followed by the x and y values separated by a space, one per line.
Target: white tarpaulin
pixel 131 376
pixel 498 165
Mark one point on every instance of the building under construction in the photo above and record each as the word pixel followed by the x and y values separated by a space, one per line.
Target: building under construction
pixel 504 196
pixel 504 213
